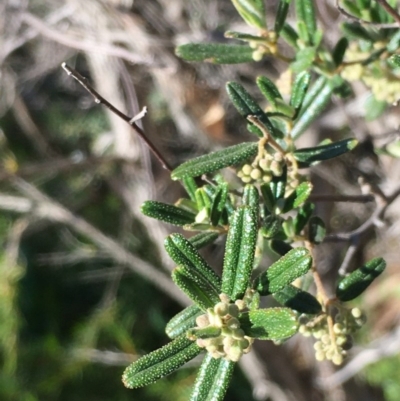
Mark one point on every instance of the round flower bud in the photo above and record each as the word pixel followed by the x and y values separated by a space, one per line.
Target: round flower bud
pixel 247 169
pixel 356 312
pixel 256 174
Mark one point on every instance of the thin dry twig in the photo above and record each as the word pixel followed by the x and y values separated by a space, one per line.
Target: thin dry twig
pixel 130 120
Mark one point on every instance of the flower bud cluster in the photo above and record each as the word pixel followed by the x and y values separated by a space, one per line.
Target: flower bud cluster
pixel 232 342
pixel 334 345
pixel 262 48
pixel 262 169
pixel 381 80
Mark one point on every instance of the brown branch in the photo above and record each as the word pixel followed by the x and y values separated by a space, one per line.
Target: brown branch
pixel 130 120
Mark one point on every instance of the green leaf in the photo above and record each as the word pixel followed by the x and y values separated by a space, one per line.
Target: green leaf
pixel 356 31
pixel 251 197
pixel 290 35
pixel 313 107
pixel 218 204
pixel 356 282
pixel 203 239
pixel 217 53
pixel 193 284
pixel 281 14
pixel 339 51
pixel 212 380
pixel 216 160
pixel 284 271
pixel 272 226
pixel 299 89
pixel 247 106
pixel 304 59
pixel 310 156
pixel 168 213
pixel 297 197
pixel 184 254
pixel 303 191
pixel 252 11
pixel 244 36
pixel 394 60
pixel 298 300
pixel 302 217
pixel 268 197
pixel 239 252
pixel 305 12
pixel 269 90
pixel 351 8
pixel 183 321
pixel 160 363
pixel 316 230
pixel 269 324
pixel 280 247
pixel 278 184
pixel 190 186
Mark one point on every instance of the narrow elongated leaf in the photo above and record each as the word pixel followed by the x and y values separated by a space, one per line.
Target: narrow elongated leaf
pixel 190 186
pixel 289 35
pixel 309 156
pixel 272 226
pixel 251 197
pixel 212 380
pixel 200 291
pixel 340 50
pixel 356 31
pixel 239 252
pixel 217 53
pixel 252 11
pixel 183 253
pixel 269 90
pixel 168 213
pixel 299 89
pixel 305 12
pixel 203 239
pixel 281 14
pixel 284 271
pixel 302 217
pixel 216 160
pixel 356 282
pixel 304 59
pixel 218 204
pixel 160 363
pixel 314 107
pixel 244 36
pixel 183 321
pixel 394 42
pixel 247 106
pixel 269 324
pixel 297 197
pixel 280 247
pixel 298 300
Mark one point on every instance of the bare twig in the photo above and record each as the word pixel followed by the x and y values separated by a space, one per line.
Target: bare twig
pixel 99 99
pixel 110 358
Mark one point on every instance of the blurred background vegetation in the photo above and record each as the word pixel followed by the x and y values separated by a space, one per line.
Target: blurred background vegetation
pixel 84 280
